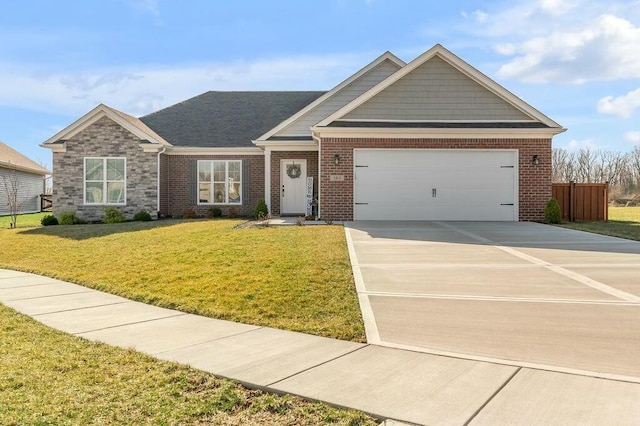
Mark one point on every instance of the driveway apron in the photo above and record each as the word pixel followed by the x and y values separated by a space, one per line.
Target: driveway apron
pixel 522 294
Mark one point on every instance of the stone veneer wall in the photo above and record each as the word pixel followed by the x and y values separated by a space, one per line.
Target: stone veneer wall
pixel 182 182
pixel 104 138
pixel 312 170
pixel 534 181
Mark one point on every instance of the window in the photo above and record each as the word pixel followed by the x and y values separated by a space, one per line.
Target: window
pixel 219 182
pixel 104 180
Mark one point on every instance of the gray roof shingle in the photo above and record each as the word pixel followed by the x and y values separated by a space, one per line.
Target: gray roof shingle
pixel 226 119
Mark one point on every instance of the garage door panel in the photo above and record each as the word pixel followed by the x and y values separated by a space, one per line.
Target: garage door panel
pixel 423 184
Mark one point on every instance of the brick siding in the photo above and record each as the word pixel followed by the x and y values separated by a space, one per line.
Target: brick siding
pixel 179 190
pixel 534 181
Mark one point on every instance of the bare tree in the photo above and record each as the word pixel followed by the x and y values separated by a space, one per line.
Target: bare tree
pixel 585 159
pixel 608 167
pixel 621 171
pixel 564 169
pixel 634 165
pixel 11 185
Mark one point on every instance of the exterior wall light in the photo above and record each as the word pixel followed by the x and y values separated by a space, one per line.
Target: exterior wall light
pixel 336 159
pixel 535 160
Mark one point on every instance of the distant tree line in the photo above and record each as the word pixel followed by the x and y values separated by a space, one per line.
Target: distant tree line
pixel 621 170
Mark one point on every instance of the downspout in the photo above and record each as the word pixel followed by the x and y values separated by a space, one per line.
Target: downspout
pixel 164 148
pixel 317 139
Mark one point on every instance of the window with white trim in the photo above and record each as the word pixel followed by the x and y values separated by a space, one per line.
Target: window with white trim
pixel 219 182
pixel 105 180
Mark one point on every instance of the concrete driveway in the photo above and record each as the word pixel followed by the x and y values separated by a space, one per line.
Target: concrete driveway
pixel 522 294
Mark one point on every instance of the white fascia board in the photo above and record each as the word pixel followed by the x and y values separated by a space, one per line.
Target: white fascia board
pixel 188 150
pixel 151 147
pixel 457 63
pixel 376 133
pixel 288 145
pixel 55 147
pixel 386 55
pixel 94 115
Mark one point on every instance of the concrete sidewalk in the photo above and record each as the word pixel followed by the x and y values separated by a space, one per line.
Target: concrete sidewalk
pixel 388 383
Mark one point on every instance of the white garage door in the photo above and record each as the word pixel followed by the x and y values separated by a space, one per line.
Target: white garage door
pixel 426 184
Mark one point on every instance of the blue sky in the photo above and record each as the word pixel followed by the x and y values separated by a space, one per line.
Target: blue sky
pixel 577 61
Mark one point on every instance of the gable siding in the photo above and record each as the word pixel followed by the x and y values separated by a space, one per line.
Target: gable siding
pixel 29 185
pixel 301 126
pixel 436 91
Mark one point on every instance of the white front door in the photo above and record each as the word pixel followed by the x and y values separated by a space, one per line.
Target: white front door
pixel 293 178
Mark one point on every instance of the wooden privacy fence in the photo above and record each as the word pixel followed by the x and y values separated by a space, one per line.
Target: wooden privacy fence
pixel 582 201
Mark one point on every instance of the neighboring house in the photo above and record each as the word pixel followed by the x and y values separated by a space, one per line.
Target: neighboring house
pixel 20 174
pixel 433 139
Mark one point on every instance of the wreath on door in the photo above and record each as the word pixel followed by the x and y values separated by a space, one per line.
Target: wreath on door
pixel 294 171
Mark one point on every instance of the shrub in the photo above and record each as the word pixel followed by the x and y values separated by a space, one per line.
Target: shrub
pixel 189 213
pixel 232 212
pixel 552 212
pixel 261 211
pixel 49 220
pixel 214 212
pixel 113 215
pixel 69 218
pixel 142 216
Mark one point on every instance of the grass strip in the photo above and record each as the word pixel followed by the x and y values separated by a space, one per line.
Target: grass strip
pixel 51 378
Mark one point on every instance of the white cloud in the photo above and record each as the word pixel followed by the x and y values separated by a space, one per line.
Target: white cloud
pixel 622 106
pixel 151 7
pixel 138 91
pixel 506 49
pixel 480 16
pixel 633 137
pixel 557 7
pixel 604 49
pixel 565 41
pixel 577 145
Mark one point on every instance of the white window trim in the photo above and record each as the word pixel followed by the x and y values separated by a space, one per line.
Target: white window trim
pixel 104 181
pixel 211 182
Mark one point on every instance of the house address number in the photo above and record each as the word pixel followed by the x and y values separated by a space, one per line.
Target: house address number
pixel 336 178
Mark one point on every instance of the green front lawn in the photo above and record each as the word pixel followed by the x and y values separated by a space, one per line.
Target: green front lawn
pixel 294 278
pixel 624 222
pixel 50 378
pixel 23 220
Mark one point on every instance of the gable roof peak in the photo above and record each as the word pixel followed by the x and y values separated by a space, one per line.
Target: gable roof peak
pixel 387 55
pixel 132 124
pixel 459 64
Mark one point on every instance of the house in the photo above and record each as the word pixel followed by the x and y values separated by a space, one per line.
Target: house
pixel 22 178
pixel 433 139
